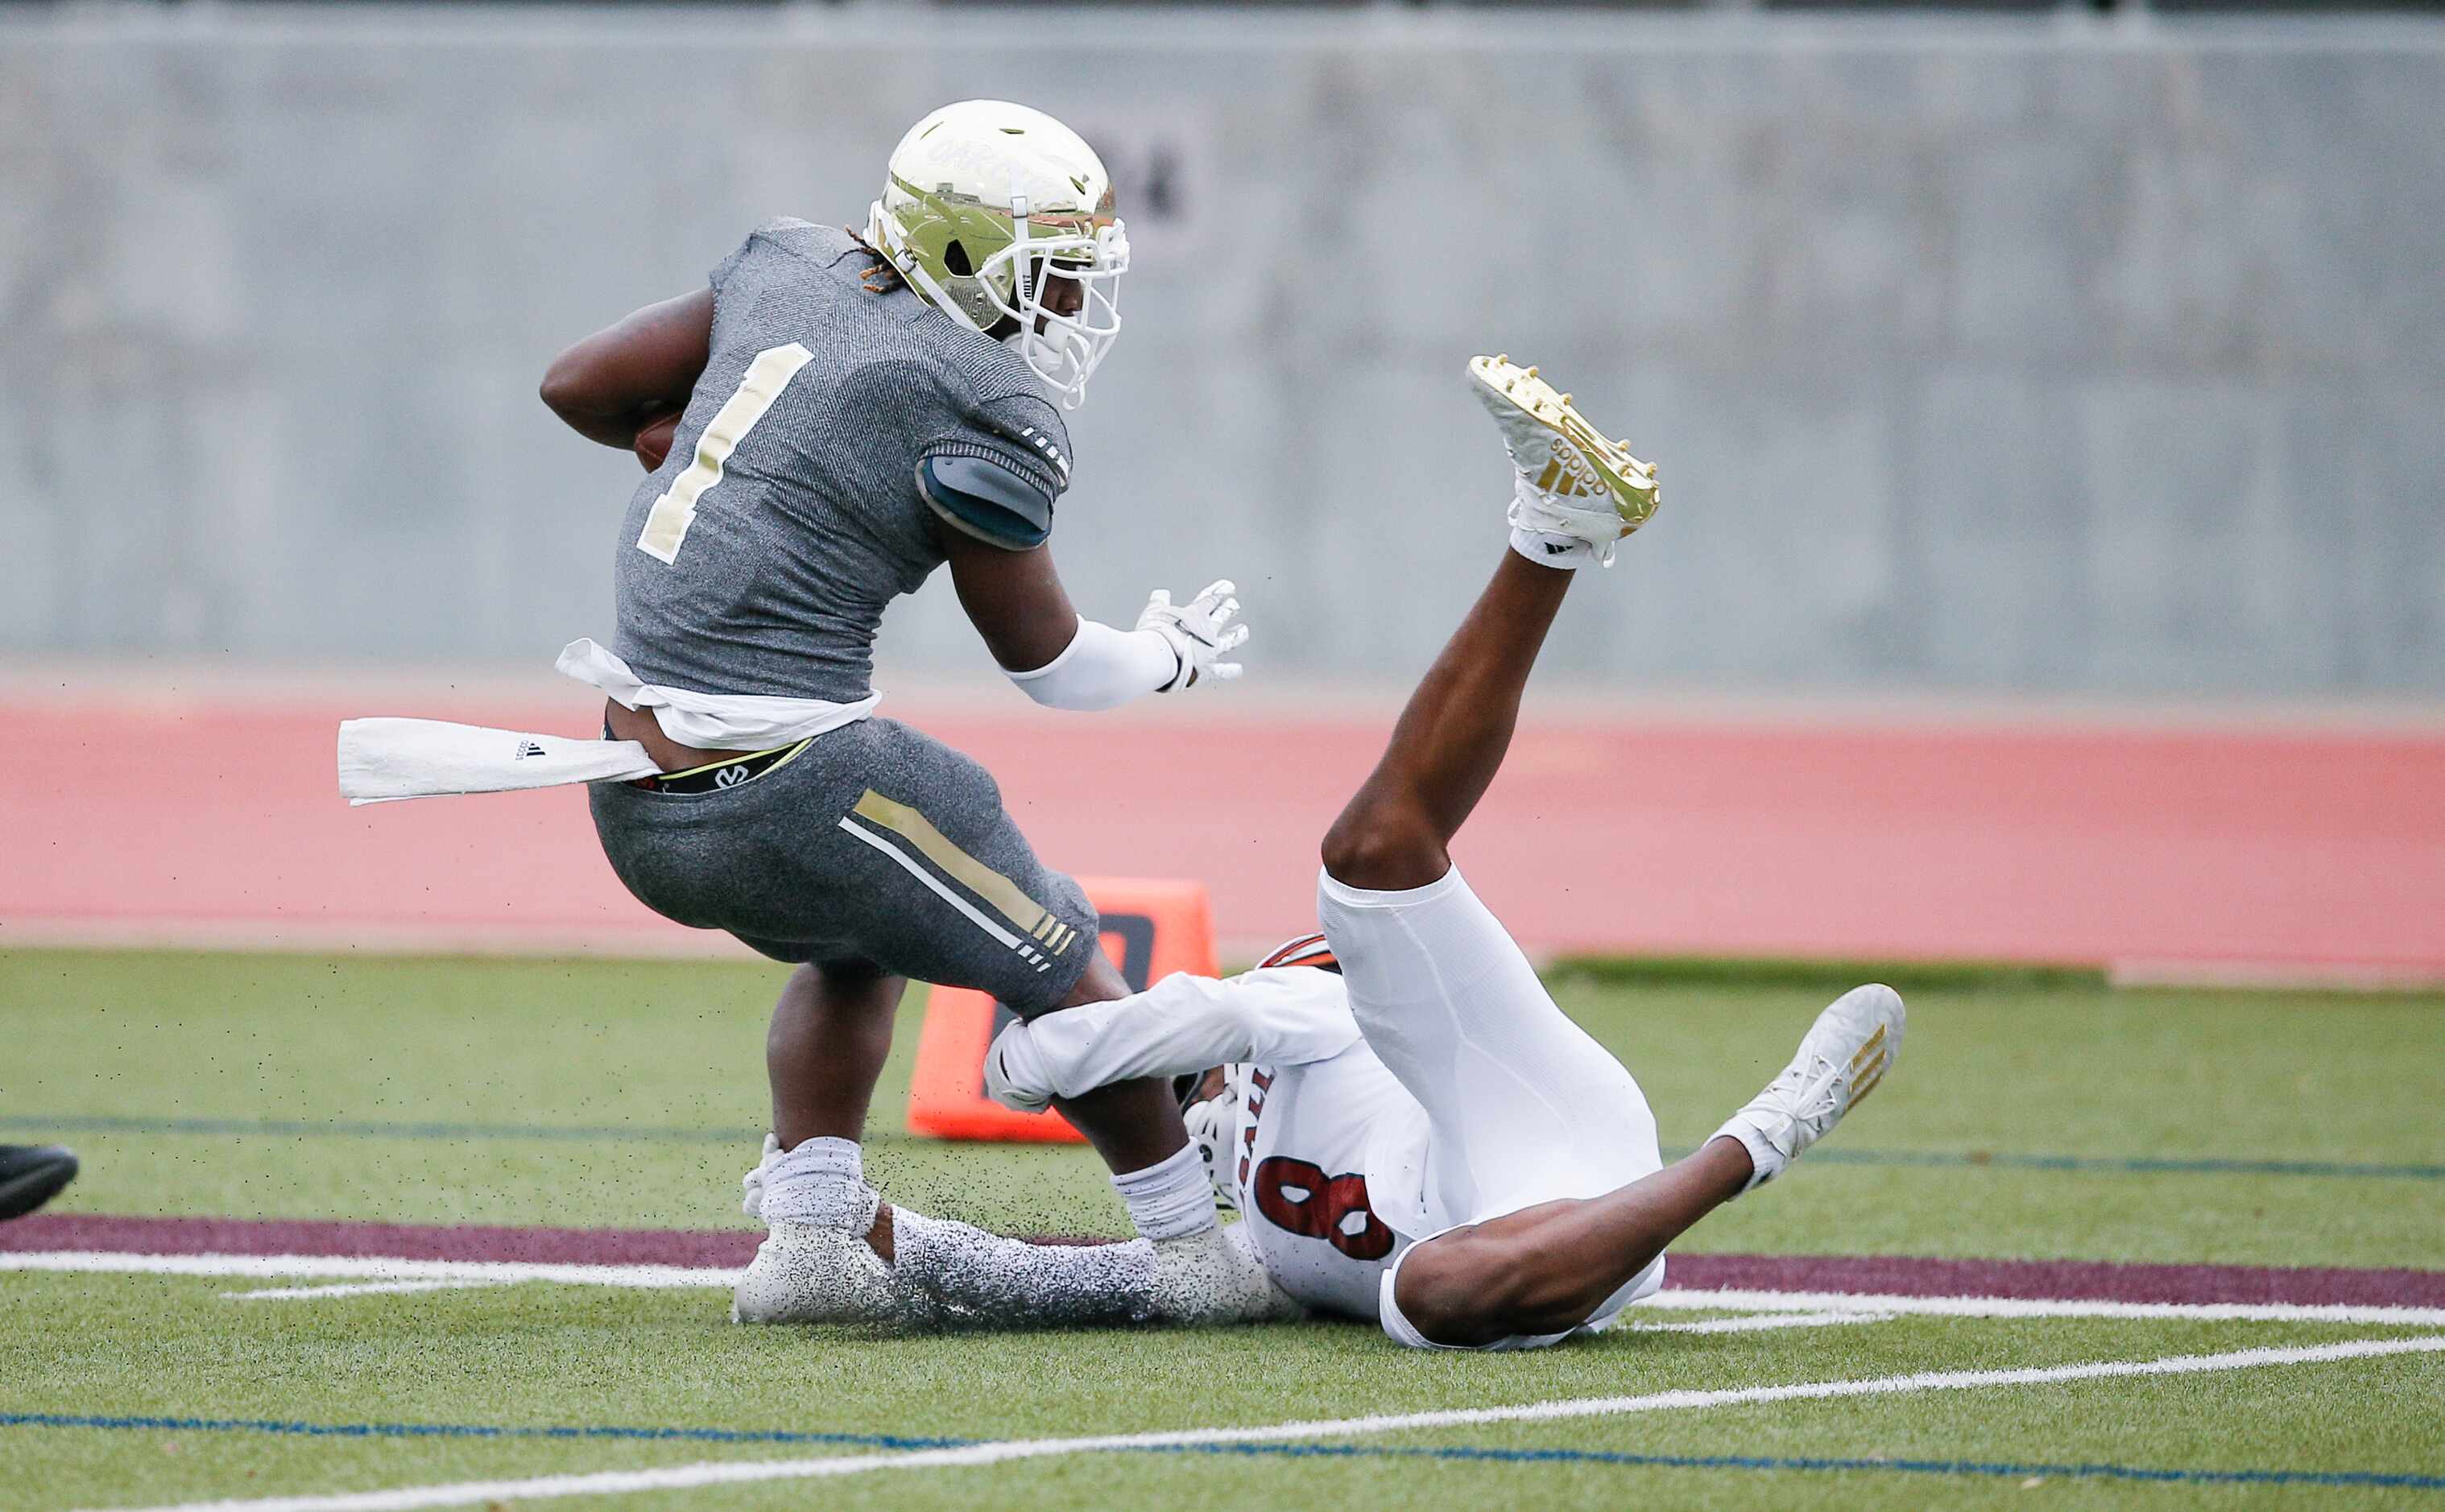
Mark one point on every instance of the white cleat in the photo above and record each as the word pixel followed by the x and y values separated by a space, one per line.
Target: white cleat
pixel 1842 1059
pixel 1574 482
pixel 811 1273
pixel 1211 1277
pixel 807 1273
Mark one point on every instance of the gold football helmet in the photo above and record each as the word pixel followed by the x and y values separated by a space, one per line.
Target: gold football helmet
pixel 986 207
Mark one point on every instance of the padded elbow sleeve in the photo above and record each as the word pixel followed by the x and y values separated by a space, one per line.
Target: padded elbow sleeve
pixel 1101 668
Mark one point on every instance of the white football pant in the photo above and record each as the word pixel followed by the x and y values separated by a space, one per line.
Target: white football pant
pixel 1524 1107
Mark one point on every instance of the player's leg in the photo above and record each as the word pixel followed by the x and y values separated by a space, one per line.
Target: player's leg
pixel 1576 493
pixel 830 1034
pixel 1134 1125
pixel 1525 1111
pixel 826 1046
pixel 835 1253
pixel 1450 739
pixel 986 913
pixel 825 1051
pixel 897 849
pixel 1511 1087
pixel 32 1175
pixel 832 1031
pixel 1543 1271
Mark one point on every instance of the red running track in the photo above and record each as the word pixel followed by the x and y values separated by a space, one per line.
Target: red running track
pixel 2228 851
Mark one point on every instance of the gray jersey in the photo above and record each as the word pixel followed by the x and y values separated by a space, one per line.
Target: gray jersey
pixel 759 557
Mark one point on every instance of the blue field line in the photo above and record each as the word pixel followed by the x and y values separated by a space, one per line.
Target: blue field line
pixel 1754 1462
pixel 473 1431
pixel 603 1133
pixel 1345 1452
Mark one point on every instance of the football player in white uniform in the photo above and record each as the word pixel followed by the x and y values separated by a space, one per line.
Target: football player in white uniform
pixel 1414 1130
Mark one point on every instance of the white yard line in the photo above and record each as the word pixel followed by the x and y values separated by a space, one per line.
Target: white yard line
pixel 1754 1322
pixel 685 1477
pixel 351 1267
pixel 298 1294
pixel 1731 1300
pixel 367 1267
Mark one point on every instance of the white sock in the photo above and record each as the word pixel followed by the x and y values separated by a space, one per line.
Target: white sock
pixel 1171 1198
pixel 1766 1161
pixel 972 1278
pixel 820 1182
pixel 1547 549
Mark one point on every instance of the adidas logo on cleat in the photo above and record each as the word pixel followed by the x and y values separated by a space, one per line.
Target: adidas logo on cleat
pixel 530 748
pixel 1567 474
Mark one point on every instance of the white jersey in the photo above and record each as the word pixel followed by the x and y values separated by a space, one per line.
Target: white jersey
pixel 1310 1135
pixel 1329 1148
pixel 1436 1085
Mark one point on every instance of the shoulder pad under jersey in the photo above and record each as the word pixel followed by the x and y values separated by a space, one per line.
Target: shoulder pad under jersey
pixel 982 498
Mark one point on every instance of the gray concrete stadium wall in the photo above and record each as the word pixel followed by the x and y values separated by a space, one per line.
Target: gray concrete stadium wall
pixel 1986 355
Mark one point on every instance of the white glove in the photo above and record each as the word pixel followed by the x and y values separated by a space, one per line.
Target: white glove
pixel 1199 633
pixel 1212 1126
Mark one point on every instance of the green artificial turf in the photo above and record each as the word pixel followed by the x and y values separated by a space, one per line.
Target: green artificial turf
pixel 590 1092
pixel 666 1060
pixel 532 1357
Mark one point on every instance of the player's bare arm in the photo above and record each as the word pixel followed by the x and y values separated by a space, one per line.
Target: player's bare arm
pixel 626 375
pixel 1548 1269
pixel 1014 598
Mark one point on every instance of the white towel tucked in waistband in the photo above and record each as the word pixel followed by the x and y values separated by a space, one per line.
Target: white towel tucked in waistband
pixel 384 760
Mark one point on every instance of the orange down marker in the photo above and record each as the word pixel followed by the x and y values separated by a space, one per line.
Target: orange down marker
pixel 1151 929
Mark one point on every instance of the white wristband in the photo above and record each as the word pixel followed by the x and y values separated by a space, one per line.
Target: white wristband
pixel 1102 668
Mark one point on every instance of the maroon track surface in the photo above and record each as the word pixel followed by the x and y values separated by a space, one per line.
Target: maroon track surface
pixel 1895 1276
pixel 219 821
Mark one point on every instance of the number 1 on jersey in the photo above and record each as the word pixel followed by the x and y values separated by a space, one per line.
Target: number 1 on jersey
pixel 667 522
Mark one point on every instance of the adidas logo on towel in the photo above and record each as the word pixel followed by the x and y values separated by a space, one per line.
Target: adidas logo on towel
pixel 530 748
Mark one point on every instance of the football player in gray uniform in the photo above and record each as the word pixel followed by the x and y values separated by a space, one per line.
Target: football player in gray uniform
pixel 844 413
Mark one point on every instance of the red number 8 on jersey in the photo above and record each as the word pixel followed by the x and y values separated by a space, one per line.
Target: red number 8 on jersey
pixel 1323 1208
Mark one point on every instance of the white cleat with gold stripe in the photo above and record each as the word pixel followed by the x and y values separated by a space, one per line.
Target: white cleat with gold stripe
pixel 1575 481
pixel 1843 1057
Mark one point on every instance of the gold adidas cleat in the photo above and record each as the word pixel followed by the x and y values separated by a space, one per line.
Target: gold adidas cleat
pixel 1573 481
